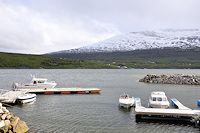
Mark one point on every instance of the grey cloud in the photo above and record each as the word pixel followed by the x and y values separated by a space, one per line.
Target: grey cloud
pixel 35 26
pixel 31 31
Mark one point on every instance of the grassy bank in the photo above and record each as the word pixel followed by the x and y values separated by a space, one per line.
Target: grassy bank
pixel 150 58
pixel 165 63
pixel 10 60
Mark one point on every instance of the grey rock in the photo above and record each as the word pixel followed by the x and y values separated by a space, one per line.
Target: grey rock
pixel 172 79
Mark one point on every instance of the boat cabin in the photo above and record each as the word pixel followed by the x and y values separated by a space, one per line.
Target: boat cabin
pixel 158 99
pixel 124 96
pixel 39 80
pixel 158 96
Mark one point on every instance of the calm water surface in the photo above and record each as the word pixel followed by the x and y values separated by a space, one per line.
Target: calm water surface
pixel 97 113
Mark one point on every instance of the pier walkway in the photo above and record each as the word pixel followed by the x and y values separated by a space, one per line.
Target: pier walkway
pixel 10 96
pixel 65 91
pixel 182 114
pixel 179 105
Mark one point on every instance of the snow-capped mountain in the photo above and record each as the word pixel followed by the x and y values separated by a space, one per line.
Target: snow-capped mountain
pixel 185 38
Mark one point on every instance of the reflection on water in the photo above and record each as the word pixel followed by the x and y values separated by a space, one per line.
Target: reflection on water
pixel 125 109
pixel 97 113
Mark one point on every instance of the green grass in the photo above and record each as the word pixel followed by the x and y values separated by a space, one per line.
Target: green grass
pixel 10 60
pixel 177 63
pixel 150 58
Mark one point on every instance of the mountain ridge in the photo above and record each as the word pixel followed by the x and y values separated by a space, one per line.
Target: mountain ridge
pixel 182 38
pixel 149 49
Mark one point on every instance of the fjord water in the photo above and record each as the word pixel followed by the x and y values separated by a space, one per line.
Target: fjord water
pixel 97 113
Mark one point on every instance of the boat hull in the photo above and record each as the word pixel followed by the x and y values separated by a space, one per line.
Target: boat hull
pixel 27 101
pixel 158 106
pixel 162 105
pixel 126 103
pixel 47 86
pixel 27 98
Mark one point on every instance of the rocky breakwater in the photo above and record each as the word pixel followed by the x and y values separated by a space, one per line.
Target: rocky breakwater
pixel 9 123
pixel 172 79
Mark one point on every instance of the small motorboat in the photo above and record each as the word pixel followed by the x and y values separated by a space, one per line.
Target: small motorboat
pixel 26 98
pixel 158 99
pixel 126 101
pixel 36 83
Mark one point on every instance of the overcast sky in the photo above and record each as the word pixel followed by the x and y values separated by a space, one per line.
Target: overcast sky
pixel 41 26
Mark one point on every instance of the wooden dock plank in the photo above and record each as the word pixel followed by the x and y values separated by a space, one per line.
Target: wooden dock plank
pixel 66 91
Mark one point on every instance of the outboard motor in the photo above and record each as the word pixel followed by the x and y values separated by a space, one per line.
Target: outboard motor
pixel 15 85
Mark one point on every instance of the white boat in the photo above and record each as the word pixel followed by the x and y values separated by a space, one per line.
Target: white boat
pixel 126 101
pixel 10 96
pixel 158 99
pixel 26 98
pixel 36 83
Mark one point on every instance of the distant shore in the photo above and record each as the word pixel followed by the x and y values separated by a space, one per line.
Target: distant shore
pixel 28 61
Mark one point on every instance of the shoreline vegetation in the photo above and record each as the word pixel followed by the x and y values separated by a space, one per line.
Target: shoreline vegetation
pixel 29 61
pixel 171 79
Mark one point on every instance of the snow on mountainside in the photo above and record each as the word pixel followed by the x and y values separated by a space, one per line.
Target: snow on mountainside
pixel 186 38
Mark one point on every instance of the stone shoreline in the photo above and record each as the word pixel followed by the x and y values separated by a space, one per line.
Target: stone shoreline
pixel 172 79
pixel 9 123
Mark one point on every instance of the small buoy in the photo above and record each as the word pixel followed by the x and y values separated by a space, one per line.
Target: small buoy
pixel 198 103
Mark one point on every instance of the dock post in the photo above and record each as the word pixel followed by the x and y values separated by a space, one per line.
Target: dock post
pixel 138 118
pixel 196 121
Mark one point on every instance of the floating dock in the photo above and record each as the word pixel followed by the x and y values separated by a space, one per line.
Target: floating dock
pixel 181 115
pixel 65 91
pixel 178 105
pixel 10 96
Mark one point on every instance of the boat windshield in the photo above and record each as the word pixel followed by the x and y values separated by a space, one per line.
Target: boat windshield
pixel 164 99
pixel 154 98
pixel 159 99
pixel 124 96
pixel 41 81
